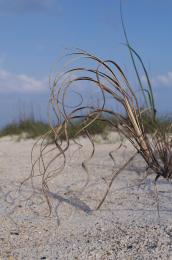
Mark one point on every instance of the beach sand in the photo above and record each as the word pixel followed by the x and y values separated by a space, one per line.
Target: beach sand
pixel 127 226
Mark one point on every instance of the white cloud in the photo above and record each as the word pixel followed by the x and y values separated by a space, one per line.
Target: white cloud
pixel 165 80
pixel 161 80
pixel 20 83
pixel 20 6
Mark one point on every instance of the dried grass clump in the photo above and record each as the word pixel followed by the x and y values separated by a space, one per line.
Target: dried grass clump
pixel 108 79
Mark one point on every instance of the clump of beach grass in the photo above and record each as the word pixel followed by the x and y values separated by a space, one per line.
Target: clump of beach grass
pixel 135 119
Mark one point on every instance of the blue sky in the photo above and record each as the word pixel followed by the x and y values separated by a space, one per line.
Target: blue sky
pixel 35 33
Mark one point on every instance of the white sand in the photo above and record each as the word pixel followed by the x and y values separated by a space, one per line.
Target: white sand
pixel 126 227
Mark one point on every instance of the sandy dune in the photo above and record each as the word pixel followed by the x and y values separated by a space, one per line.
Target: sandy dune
pixel 126 227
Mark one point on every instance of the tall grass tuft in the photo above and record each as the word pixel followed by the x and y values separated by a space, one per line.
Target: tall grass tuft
pixel 131 120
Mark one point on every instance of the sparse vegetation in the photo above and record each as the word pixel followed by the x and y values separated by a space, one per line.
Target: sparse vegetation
pixel 29 127
pixel 135 123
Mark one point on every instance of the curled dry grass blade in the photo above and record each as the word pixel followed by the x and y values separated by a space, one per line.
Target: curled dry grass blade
pixel 108 78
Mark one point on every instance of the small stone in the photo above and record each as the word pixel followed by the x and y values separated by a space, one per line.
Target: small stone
pixel 14 233
pixel 129 247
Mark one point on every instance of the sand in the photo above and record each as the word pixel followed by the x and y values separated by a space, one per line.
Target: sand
pixel 127 226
